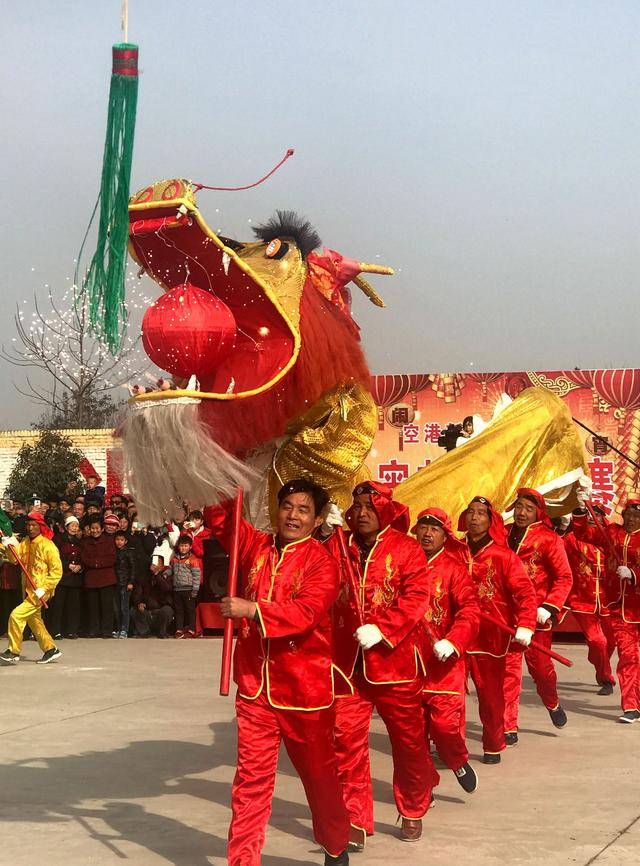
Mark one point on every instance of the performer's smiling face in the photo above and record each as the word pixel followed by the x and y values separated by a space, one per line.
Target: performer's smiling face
pixel 296 517
pixel 478 520
pixel 33 529
pixel 431 537
pixel 365 516
pixel 524 512
pixel 631 518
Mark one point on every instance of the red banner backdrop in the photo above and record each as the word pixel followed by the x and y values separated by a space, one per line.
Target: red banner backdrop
pixel 607 401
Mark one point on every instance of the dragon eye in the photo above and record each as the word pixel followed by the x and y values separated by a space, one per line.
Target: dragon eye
pixel 276 249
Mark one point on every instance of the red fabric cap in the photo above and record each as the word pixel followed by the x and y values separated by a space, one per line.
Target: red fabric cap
pixel 39 518
pixel 541 505
pixel 444 520
pixel 111 520
pixel 390 513
pixel 497 531
pixel 632 501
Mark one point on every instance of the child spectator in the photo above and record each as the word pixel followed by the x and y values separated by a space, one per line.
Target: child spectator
pixel 125 572
pixel 185 573
pixel 194 526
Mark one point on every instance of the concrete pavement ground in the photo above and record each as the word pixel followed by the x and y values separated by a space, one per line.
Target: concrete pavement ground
pixel 123 752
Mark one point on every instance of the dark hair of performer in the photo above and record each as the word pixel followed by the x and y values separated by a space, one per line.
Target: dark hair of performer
pixel 300 505
pixel 431 535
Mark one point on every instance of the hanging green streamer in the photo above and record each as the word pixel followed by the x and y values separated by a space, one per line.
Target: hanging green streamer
pixel 105 278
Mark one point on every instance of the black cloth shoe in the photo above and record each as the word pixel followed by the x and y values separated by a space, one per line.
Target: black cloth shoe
pixel 8 658
pixel 511 738
pixel 605 689
pixel 558 717
pixel 50 656
pixel 357 838
pixel 340 860
pixel 466 778
pixel 491 759
pixel 627 718
pixel 72 637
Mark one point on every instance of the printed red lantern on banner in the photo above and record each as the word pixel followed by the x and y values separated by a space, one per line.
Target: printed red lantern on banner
pixel 187 331
pixel 484 379
pixel 620 388
pixel 386 391
pixel 584 378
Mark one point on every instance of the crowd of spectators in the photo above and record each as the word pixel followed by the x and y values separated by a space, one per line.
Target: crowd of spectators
pixel 120 579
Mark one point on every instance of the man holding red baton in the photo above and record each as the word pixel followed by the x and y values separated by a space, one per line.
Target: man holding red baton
pixel 378 640
pixel 542 553
pixel 40 558
pixel 283 667
pixel 450 625
pixel 507 596
pixel 588 603
pixel 621 547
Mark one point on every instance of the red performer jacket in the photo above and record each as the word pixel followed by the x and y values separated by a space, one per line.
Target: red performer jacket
pixel 288 650
pixel 454 614
pixel 394 595
pixel 623 549
pixel 588 568
pixel 505 593
pixel 544 558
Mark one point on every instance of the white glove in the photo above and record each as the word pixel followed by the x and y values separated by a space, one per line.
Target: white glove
pixel 368 636
pixel 10 541
pixel 523 635
pixel 543 615
pixel 624 573
pixel 443 649
pixel 332 518
pixel 584 490
pixel 40 592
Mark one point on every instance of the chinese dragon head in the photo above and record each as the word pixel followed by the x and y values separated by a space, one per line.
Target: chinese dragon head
pixel 269 378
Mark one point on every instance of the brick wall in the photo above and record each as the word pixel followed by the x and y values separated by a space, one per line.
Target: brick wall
pixel 94 444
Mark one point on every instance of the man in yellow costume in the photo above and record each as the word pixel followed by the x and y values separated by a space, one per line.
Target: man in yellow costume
pixel 42 561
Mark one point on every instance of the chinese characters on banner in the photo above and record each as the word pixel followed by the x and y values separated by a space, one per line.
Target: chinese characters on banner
pixel 408 440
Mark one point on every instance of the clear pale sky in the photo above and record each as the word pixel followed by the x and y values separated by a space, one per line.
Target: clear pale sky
pixel 487 150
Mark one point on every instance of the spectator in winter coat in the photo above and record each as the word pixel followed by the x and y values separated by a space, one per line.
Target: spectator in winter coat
pixel 98 553
pixel 66 604
pixel 125 572
pixel 152 610
pixel 185 574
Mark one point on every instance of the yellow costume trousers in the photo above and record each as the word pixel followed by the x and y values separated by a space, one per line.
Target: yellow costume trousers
pixel 29 614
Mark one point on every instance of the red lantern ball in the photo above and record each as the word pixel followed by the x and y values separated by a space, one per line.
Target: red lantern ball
pixel 187 331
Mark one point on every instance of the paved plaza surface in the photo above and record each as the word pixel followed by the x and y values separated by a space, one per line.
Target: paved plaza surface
pixel 124 752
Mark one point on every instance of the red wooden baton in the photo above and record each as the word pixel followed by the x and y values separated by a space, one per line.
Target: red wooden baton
pixel 227 640
pixel 533 645
pixel 605 538
pixel 351 575
pixel 30 580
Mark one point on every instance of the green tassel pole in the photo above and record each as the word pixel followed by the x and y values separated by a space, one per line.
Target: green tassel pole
pixel 105 279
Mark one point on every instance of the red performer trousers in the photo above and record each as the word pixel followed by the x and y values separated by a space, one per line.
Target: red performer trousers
pixel 601 643
pixel 308 738
pixel 444 716
pixel 400 707
pixel 627 636
pixel 542 672
pixel 488 674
